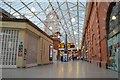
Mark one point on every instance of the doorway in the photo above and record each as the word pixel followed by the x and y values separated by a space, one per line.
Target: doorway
pixel 9 42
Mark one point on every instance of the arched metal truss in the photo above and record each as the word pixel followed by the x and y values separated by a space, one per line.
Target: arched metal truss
pixel 64 11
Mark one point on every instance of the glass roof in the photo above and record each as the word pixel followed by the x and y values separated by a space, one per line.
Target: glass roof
pixel 64 16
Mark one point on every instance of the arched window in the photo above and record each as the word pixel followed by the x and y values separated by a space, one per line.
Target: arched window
pixel 113 16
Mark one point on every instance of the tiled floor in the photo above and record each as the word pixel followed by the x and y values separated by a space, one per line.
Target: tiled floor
pixel 73 69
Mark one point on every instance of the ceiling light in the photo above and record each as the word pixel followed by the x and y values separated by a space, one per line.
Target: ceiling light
pixel 73 19
pixel 62 41
pixel 48 10
pixel 76 43
pixel 51 16
pixel 50 28
pixel 77 48
pixel 58 36
pixel 75 32
pixel 11 0
pixel 114 31
pixel 71 9
pixel 113 17
pixel 33 9
pixel 83 13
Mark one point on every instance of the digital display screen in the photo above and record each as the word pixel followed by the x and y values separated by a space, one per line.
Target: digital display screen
pixel 51 52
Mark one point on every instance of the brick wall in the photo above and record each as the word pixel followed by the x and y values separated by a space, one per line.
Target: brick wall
pixel 95 36
pixel 56 41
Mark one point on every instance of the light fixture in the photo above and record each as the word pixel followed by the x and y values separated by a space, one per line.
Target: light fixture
pixel 70 9
pixel 33 9
pixel 12 0
pixel 48 10
pixel 83 13
pixel 83 47
pixel 58 36
pixel 51 16
pixel 76 43
pixel 75 32
pixel 114 31
pixel 50 28
pixel 77 48
pixel 73 19
pixel 113 17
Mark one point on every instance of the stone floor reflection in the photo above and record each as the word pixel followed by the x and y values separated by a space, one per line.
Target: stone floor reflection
pixel 72 69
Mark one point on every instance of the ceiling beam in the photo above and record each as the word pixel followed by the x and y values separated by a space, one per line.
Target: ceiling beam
pixel 78 23
pixel 64 19
pixel 58 18
pixel 82 4
pixel 35 15
pixel 13 8
pixel 41 7
pixel 70 21
pixel 22 7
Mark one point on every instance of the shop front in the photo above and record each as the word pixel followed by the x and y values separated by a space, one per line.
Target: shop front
pixel 114 52
pixel 113 31
pixel 23 44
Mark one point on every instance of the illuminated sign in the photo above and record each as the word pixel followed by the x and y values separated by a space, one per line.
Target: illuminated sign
pixel 51 52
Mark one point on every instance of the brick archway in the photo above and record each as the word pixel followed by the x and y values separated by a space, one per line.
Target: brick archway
pixel 113 33
pixel 112 4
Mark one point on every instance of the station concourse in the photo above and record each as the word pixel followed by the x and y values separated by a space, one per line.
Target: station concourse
pixel 59 39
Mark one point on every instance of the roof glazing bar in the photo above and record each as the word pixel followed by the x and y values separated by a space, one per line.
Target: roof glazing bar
pixel 58 18
pixel 70 21
pixel 64 19
pixel 34 14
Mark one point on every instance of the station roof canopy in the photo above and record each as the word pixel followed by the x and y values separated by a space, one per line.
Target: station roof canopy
pixel 70 15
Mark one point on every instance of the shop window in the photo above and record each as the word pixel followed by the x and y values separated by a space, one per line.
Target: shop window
pixel 113 40
pixel 113 17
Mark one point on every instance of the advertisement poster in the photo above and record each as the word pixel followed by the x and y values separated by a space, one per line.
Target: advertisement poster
pixel 65 57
